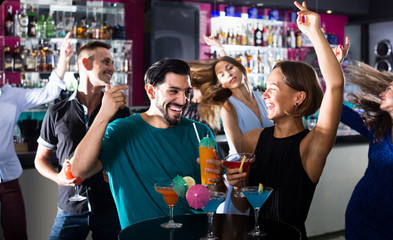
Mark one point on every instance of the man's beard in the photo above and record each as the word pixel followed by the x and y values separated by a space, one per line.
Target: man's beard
pixel 166 115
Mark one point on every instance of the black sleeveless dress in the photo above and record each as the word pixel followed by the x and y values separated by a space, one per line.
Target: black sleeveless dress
pixel 278 165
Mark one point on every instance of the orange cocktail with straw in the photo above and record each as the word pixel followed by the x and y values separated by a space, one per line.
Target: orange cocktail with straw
pixel 170 198
pixel 204 155
pixel 206 147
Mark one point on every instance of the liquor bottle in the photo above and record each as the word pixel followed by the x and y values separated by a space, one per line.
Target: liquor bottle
pixel 40 27
pixel 38 58
pixel 265 36
pixel 258 37
pixel 279 37
pixel 18 61
pixel 74 28
pixel 9 23
pixel 56 55
pixel 82 30
pixel 244 35
pixel 106 33
pixel 260 63
pixel 288 39
pixel 250 37
pixel 269 34
pixel 48 57
pixel 293 38
pixel 126 62
pixel 118 61
pixel 250 62
pixel 43 57
pixel 298 38
pixel 31 32
pixel 23 22
pixel 16 24
pixel 50 26
pixel 61 27
pixel 94 30
pixel 30 60
pixel 8 59
pixel 229 38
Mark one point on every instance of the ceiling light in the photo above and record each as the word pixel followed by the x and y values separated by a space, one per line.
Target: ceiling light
pixel 329 11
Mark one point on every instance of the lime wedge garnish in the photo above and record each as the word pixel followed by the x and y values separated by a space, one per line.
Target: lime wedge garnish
pixel 260 188
pixel 241 165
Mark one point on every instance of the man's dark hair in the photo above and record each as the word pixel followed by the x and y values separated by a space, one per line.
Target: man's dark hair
pixel 155 75
pixel 93 45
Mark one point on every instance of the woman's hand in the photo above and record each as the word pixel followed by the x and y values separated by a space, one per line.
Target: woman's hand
pixel 234 177
pixel 212 41
pixel 308 22
pixel 340 51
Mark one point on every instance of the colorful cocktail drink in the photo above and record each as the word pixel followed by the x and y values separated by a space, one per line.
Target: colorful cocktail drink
pixel 241 161
pixel 69 176
pixel 206 146
pixel 256 196
pixel 170 198
pixel 215 200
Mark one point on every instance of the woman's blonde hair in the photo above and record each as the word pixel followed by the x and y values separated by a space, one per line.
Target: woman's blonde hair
pixel 371 82
pixel 214 96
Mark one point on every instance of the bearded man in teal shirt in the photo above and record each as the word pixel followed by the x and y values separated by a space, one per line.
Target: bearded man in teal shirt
pixel 143 149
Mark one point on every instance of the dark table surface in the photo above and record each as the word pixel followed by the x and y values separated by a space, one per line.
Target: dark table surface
pixel 225 226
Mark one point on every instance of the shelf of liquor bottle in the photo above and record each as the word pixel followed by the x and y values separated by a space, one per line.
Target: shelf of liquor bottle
pixel 104 8
pixel 235 21
pixel 241 48
pixel 10 72
pixel 9 37
pixel 72 40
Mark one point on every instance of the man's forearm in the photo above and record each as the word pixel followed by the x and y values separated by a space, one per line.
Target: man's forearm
pixel 86 161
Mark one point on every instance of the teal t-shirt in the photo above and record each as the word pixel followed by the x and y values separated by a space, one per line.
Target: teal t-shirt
pixel 136 155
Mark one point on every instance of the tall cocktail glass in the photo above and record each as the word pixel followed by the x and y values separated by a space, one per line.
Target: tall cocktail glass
pixel 206 147
pixel 235 161
pixel 256 199
pixel 170 198
pixel 215 200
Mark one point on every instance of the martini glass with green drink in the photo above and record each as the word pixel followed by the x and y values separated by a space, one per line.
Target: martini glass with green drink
pixel 256 196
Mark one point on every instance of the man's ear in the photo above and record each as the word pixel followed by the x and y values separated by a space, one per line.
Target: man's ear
pixel 85 63
pixel 151 91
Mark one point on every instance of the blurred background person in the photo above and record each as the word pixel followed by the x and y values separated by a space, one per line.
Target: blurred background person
pixel 13 101
pixel 64 126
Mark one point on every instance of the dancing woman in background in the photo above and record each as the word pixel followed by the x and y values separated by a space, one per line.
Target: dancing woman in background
pixel 370 209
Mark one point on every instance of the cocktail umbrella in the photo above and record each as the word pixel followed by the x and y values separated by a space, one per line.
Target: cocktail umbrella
pixel 180 186
pixel 198 196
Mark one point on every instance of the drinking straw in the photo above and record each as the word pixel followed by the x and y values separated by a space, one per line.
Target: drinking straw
pixel 196 132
